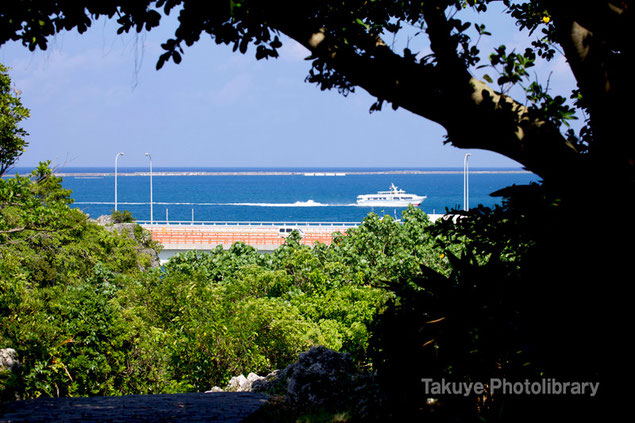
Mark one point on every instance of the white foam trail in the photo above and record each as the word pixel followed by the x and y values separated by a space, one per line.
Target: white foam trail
pixel 309 203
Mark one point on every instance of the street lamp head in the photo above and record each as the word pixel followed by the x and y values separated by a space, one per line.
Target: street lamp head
pixel 120 154
pixel 148 154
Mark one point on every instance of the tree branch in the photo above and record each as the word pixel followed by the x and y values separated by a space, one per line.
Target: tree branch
pixel 9 231
pixel 474 115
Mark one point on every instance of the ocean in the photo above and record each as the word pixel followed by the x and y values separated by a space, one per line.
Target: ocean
pixel 287 195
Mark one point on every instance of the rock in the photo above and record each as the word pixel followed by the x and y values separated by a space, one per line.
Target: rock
pixel 326 379
pixel 9 359
pixel 10 371
pixel 240 383
pixel 320 376
pixel 243 384
pixel 321 379
pixel 104 220
pixel 123 228
pixel 153 255
pixel 236 383
pixel 265 383
pixel 252 377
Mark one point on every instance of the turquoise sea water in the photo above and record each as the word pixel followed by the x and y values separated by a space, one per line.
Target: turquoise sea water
pixel 274 197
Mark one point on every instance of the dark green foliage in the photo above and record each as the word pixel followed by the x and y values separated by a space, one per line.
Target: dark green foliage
pixel 237 311
pixel 75 341
pixel 124 216
pixel 46 242
pixel 463 327
pixel 59 276
pixel 509 308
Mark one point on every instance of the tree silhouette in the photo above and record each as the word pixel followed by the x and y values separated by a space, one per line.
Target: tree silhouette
pixel 350 48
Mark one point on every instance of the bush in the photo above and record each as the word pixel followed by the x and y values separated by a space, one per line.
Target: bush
pixel 122 216
pixel 60 275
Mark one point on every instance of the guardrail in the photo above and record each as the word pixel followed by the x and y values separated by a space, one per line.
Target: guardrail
pixel 248 224
pixel 230 239
pixel 175 235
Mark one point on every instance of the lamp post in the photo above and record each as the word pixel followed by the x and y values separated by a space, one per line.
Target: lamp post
pixel 466 184
pixel 151 214
pixel 116 158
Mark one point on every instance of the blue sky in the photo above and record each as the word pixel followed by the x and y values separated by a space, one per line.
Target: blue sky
pixel 95 94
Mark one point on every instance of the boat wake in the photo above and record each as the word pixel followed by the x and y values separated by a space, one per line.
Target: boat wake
pixel 309 203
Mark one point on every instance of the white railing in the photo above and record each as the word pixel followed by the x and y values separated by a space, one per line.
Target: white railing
pixel 246 224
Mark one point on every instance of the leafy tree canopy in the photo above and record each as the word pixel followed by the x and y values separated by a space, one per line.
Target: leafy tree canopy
pixel 12 142
pixel 352 45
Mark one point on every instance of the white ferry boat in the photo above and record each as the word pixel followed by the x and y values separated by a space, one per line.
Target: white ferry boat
pixel 393 198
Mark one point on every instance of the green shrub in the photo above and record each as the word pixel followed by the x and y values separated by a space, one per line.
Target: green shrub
pixel 124 216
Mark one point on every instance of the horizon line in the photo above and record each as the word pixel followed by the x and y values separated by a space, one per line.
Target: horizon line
pixel 519 167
